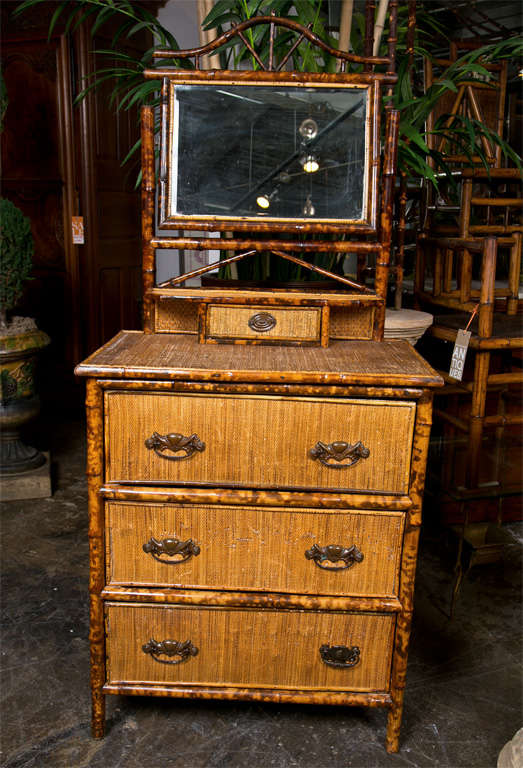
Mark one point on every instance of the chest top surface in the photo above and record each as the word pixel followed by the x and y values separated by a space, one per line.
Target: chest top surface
pixel 134 354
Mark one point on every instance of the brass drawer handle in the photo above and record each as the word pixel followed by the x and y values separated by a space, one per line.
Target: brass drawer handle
pixel 171 547
pixel 170 648
pixel 340 656
pixel 334 553
pixel 339 452
pixel 175 443
pixel 262 322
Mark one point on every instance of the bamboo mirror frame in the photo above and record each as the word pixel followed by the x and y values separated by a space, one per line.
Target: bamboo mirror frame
pixel 237 147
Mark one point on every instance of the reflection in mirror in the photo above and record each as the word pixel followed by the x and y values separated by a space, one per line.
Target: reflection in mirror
pixel 268 151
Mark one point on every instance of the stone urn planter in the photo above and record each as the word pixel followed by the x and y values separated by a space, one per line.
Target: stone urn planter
pixel 20 346
pixel 20 343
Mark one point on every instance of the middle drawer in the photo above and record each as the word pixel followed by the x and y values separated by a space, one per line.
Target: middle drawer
pixel 259 441
pixel 307 551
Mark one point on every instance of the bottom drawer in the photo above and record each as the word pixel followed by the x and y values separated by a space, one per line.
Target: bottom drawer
pixel 248 647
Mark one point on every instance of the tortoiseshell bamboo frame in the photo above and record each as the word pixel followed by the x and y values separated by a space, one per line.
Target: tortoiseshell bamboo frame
pixel 409 385
pixel 371 92
pixel 374 236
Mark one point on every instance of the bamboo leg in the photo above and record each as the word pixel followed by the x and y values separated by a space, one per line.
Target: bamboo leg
pixel 148 190
pixel 447 270
pixel 420 450
pixel 94 410
pixel 477 415
pixel 513 277
pixel 389 173
pixel 465 276
pixel 482 362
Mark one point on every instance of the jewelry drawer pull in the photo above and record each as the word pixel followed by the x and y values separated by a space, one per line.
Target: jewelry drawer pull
pixel 262 322
pixel 338 452
pixel 174 442
pixel 340 656
pixel 334 553
pixel 170 648
pixel 170 547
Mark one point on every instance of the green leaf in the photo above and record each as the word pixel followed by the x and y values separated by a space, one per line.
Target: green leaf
pixel 140 94
pixel 221 7
pixel 414 136
pixel 54 19
pixel 132 151
pixel 451 86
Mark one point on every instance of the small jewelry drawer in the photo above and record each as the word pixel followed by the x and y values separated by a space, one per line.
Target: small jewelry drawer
pixel 308 551
pixel 248 647
pixel 266 324
pixel 259 441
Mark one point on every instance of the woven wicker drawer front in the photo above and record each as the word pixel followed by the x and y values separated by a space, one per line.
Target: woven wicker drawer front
pixel 264 323
pixel 259 441
pixel 328 552
pixel 246 647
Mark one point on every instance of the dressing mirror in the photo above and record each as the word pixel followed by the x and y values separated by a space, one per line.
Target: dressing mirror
pixel 245 155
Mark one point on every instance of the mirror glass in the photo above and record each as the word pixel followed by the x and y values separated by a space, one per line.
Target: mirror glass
pixel 268 152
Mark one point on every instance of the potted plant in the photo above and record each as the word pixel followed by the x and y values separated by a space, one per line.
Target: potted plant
pixel 20 343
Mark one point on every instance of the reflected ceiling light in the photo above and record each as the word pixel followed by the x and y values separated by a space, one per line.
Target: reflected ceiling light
pixel 308 208
pixel 264 201
pixel 308 129
pixel 309 163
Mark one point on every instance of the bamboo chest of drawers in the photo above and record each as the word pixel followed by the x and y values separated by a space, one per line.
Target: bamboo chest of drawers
pixel 254 519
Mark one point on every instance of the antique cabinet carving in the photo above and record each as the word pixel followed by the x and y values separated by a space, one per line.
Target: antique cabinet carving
pixel 257 458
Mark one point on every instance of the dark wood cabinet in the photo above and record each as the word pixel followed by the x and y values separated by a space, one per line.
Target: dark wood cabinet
pixel 62 159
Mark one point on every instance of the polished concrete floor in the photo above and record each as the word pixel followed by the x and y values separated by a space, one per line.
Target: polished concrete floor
pixel 463 699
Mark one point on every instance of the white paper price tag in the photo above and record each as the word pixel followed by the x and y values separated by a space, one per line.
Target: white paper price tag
pixel 459 353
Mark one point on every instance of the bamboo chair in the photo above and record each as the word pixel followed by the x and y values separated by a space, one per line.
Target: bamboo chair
pixel 489 200
pixel 490 204
pixel 476 406
pixel 449 254
pixel 474 98
pixel 487 336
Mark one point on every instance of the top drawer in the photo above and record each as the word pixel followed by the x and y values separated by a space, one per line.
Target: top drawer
pixel 269 324
pixel 258 441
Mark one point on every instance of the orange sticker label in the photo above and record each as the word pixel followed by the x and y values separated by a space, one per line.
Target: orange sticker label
pixel 77 223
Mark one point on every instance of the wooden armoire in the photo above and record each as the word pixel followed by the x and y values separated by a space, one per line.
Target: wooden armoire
pixel 62 159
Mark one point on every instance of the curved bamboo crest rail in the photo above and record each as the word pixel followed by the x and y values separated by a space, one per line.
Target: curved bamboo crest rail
pixel 303 33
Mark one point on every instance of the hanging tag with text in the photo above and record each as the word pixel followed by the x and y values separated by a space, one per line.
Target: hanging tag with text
pixel 77 223
pixel 459 353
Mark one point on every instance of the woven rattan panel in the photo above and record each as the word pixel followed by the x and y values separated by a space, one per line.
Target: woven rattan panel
pixel 351 322
pixel 176 317
pixel 345 322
